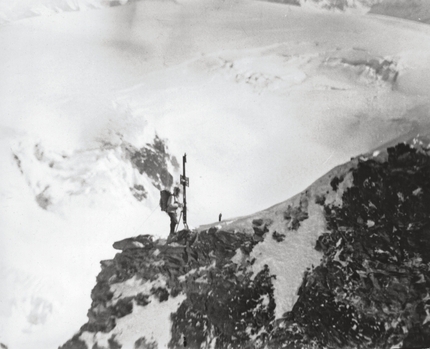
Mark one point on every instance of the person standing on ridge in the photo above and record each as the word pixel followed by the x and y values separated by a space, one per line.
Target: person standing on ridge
pixel 172 205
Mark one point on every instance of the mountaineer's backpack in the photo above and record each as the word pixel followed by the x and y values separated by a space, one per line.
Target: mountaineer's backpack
pixel 164 199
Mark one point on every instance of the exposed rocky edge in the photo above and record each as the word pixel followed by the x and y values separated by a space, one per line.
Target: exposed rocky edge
pixel 261 226
pixel 369 287
pixel 217 291
pixel 372 288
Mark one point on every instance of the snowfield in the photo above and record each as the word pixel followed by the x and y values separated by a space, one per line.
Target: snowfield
pixel 262 97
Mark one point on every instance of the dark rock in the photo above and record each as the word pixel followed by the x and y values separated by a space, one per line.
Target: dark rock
pixel 258 222
pixel 230 307
pixel 153 160
pixel 260 226
pixel 320 199
pixel 418 337
pixel 106 263
pixel 142 343
pixel 142 299
pixel 370 290
pixel 278 237
pixel 122 307
pixel 247 247
pixel 161 293
pixel 101 292
pixel 374 274
pixel 99 321
pixel 113 344
pixel 74 343
pixel 335 183
pixel 295 215
pixel 141 241
pixel 182 237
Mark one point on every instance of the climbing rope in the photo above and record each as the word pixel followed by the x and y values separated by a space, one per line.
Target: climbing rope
pixel 141 225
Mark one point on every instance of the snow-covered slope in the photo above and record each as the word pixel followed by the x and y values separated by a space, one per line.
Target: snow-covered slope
pixel 19 9
pixel 417 10
pixel 55 203
pixel 342 264
pixel 325 103
pixel 121 170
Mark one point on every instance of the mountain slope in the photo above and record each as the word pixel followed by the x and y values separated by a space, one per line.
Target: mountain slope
pixel 120 168
pixel 16 10
pixel 342 264
pixel 415 10
pixel 64 195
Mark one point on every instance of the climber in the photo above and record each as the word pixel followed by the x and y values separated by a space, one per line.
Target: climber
pixel 172 205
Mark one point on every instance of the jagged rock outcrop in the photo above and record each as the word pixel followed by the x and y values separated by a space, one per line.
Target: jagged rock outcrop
pixel 153 160
pixel 372 287
pixel 345 264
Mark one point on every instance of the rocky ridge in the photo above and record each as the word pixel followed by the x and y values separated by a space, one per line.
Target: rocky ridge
pixel 362 231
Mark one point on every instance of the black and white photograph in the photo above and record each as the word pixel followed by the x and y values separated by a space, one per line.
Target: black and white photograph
pixel 214 174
